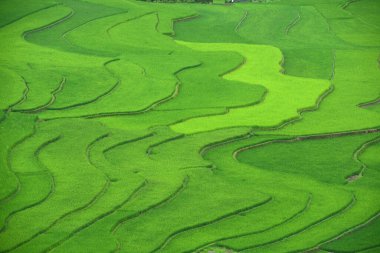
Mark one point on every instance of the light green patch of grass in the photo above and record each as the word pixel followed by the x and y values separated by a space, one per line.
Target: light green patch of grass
pixel 354 83
pixel 267 72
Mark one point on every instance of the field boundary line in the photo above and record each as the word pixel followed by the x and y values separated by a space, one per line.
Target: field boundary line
pixel 373 102
pixel 293 23
pixel 9 164
pixel 241 21
pixel 348 231
pixel 64 35
pixel 128 20
pixel 106 177
pixel 97 98
pixel 25 34
pixel 23 98
pixel 49 103
pixel 292 217
pixel 326 20
pixel 157 23
pixel 180 19
pixel 212 222
pixel 106 150
pixel 305 137
pixel 30 13
pixel 149 150
pixel 165 201
pixel 314 224
pixel 18 102
pixel 358 174
pixel 98 218
pixel 345 5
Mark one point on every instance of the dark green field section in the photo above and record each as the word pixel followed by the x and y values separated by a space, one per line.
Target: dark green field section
pixel 143 127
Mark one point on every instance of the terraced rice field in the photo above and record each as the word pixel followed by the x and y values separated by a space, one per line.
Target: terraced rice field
pixel 130 126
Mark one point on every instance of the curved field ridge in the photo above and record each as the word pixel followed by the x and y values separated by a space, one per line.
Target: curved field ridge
pixel 219 219
pixel 245 15
pixel 138 127
pixel 54 94
pixel 316 223
pixel 157 205
pixel 294 216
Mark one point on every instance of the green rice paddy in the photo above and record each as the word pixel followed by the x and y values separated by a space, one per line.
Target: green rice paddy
pixel 141 127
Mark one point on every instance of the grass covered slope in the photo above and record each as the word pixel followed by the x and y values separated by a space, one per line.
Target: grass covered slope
pixel 131 126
